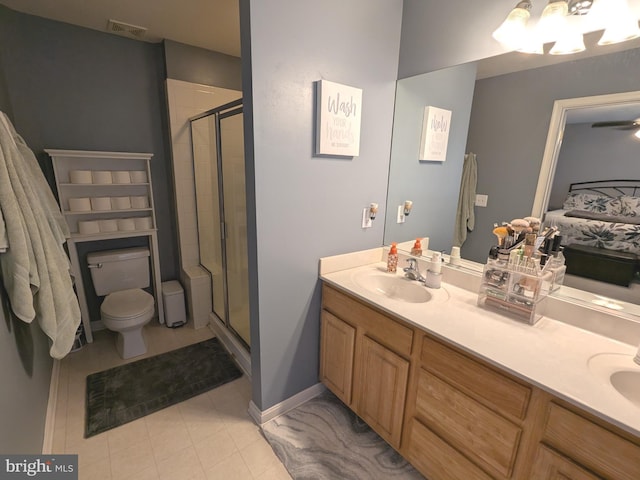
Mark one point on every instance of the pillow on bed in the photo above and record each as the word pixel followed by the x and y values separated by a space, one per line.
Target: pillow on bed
pixel 592 202
pixel 603 217
pixel 630 206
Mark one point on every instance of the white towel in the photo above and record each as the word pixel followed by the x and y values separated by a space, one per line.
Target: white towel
pixel 465 217
pixel 35 268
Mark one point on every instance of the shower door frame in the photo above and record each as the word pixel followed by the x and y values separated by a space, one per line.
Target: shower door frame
pixel 219 113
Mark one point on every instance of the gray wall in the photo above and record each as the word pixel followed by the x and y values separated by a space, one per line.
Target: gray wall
pixel 432 186
pixel 25 377
pixel 308 207
pixel 594 154
pixel 437 34
pixel 509 125
pixel 197 65
pixel 76 88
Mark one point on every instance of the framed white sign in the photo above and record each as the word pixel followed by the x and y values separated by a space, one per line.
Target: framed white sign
pixel 436 124
pixel 339 110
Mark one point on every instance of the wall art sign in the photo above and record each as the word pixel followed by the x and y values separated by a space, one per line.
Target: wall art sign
pixel 339 110
pixel 436 124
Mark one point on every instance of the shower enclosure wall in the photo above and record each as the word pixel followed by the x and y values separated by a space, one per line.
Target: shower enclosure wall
pixel 218 157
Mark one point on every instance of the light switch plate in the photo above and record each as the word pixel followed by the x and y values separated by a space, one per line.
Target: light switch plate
pixel 481 200
pixel 366 220
pixel 400 213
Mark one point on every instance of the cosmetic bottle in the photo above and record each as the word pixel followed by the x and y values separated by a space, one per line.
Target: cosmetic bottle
pixel 417 248
pixel 392 259
pixel 433 277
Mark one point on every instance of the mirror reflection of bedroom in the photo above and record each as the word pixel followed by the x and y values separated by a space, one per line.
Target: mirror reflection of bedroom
pixel 595 201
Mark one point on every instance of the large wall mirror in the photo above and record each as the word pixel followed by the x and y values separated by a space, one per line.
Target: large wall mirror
pixel 512 129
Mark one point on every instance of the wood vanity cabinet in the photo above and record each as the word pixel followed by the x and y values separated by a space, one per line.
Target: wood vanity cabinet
pixel 455 416
pixel 585 447
pixel 365 361
pixel 465 410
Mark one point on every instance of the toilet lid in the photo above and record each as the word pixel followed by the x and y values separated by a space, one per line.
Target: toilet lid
pixel 127 303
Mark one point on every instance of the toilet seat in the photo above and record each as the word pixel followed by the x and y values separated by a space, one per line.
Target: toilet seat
pixel 126 305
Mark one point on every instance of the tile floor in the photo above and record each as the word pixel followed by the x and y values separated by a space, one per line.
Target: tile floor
pixel 208 437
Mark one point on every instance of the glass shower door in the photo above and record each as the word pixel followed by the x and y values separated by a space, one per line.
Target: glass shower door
pixel 218 154
pixel 235 221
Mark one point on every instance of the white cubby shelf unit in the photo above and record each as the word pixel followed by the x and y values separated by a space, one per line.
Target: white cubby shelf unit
pixel 103 196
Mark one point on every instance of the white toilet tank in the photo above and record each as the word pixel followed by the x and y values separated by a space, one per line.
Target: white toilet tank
pixel 114 270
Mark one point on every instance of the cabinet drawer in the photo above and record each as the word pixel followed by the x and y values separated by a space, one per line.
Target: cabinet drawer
pixel 436 459
pixel 550 465
pixel 595 447
pixel 384 330
pixel 480 434
pixel 493 389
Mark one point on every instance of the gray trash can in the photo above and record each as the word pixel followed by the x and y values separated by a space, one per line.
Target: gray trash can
pixel 175 314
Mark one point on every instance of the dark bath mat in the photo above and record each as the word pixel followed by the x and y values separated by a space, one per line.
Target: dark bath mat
pixel 123 394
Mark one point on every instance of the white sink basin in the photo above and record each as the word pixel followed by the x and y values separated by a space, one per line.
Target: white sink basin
pixel 627 383
pixel 619 371
pixel 391 286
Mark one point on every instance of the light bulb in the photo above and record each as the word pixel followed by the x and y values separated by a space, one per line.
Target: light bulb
pixel 553 20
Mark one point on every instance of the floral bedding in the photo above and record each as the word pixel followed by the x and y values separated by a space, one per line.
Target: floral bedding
pixel 623 237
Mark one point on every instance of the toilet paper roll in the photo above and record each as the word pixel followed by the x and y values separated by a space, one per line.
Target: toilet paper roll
pixel 88 227
pixel 141 201
pixel 80 176
pixel 126 224
pixel 120 203
pixel 138 176
pixel 102 176
pixel 101 203
pixel 121 176
pixel 143 223
pixel 82 204
pixel 108 225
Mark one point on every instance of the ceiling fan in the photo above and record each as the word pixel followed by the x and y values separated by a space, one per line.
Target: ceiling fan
pixel 619 124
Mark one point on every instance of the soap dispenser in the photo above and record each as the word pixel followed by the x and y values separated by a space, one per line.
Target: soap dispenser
pixel 416 250
pixel 434 275
pixel 392 259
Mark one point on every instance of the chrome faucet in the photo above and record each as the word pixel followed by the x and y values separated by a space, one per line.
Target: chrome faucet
pixel 412 272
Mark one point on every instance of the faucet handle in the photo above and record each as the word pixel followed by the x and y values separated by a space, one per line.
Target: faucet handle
pixel 413 263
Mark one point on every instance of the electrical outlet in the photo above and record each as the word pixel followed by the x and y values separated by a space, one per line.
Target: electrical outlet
pixel 366 219
pixel 481 200
pixel 400 213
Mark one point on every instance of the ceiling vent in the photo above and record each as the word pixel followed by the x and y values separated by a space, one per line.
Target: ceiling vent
pixel 126 30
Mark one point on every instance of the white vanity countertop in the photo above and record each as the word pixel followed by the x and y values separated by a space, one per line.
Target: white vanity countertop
pixel 551 354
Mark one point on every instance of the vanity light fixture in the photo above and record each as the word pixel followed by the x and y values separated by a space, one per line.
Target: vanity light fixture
pixel 561 23
pixel 620 23
pixel 513 31
pixel 369 215
pixel 373 210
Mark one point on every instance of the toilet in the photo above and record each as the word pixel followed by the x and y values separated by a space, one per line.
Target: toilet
pixel 120 275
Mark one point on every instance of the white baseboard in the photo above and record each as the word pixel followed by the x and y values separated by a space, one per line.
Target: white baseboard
pixel 231 344
pixel 283 407
pixel 50 419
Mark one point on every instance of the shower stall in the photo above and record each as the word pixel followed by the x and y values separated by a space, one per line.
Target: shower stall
pixel 218 161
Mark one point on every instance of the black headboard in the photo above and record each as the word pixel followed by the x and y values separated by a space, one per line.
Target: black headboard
pixel 609 188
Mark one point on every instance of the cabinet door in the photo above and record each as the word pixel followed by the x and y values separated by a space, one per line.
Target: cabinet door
pixel 382 390
pixel 336 356
pixel 552 466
